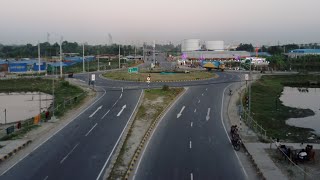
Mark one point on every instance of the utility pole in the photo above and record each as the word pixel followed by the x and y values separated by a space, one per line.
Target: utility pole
pixel 83 57
pixel 98 62
pixel 119 56
pixel 53 95
pixel 154 56
pixel 250 82
pixel 61 57
pixel 5 116
pixel 38 57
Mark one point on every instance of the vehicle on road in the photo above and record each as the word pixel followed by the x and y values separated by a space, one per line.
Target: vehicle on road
pixel 209 65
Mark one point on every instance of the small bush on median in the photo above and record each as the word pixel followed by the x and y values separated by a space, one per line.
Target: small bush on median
pixel 165 88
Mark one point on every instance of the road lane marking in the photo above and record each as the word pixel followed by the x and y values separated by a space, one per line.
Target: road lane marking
pixel 180 113
pixel 155 129
pixel 199 101
pixel 114 147
pixel 69 153
pixel 224 127
pixel 91 129
pixel 123 107
pixel 122 89
pixel 120 96
pixel 57 131
pixel 191 124
pixel 46 178
pixel 191 176
pixel 206 89
pixel 208 114
pixel 115 103
pixel 195 110
pixel 190 145
pixel 105 114
pixel 202 94
pixel 95 112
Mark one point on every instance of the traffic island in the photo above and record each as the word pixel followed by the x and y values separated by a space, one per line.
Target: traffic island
pixel 160 76
pixel 9 148
pixel 154 104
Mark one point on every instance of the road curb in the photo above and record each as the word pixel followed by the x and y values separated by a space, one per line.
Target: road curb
pixel 14 151
pixel 258 170
pixel 147 135
pixel 122 141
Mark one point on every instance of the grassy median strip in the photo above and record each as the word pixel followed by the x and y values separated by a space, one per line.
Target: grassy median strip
pixel 154 102
pixel 193 75
pixel 269 111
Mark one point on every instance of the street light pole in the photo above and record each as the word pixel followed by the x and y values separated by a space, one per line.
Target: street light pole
pixel 38 57
pixel 119 56
pixel 5 116
pixel 83 57
pixel 61 57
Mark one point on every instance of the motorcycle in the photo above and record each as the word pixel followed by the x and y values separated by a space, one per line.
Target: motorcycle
pixel 236 143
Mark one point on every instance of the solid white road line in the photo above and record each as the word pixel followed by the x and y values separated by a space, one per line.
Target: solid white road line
pixel 91 129
pixel 69 153
pixel 190 145
pixel 224 127
pixel 115 103
pixel 57 131
pixel 191 124
pixel 114 147
pixel 180 113
pixel 120 96
pixel 46 178
pixel 195 110
pixel 95 112
pixel 105 114
pixel 123 107
pixel 144 149
pixel 208 114
pixel 191 176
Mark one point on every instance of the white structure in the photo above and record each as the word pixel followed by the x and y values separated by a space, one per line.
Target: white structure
pixel 190 45
pixel 214 45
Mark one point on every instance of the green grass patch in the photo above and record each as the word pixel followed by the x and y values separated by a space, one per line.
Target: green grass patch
pixel 269 111
pixel 19 134
pixel 150 101
pixel 193 75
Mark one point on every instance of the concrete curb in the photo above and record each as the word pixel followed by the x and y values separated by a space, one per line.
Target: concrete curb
pixel 15 150
pixel 259 172
pixel 123 139
pixel 147 135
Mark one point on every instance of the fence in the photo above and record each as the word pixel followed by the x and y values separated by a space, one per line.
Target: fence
pixel 254 125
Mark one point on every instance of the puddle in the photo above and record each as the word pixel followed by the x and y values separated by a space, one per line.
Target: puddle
pixel 22 106
pixel 307 98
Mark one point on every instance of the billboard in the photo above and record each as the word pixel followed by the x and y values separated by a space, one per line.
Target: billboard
pixel 42 66
pixel 17 67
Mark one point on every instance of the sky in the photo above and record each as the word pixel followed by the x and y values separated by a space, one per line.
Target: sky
pixel 260 22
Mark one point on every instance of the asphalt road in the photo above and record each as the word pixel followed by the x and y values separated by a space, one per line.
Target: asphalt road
pixel 82 149
pixel 190 142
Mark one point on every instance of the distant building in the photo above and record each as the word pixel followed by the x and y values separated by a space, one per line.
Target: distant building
pixel 215 55
pixel 302 52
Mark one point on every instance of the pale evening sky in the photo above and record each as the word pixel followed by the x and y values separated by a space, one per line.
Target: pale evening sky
pixel 128 21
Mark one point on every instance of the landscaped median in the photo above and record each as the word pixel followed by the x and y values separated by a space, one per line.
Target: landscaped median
pixel 160 76
pixel 154 104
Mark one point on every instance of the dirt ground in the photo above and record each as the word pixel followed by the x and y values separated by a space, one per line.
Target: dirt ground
pixel 312 168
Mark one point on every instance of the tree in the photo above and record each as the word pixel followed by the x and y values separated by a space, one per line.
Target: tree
pixel 245 47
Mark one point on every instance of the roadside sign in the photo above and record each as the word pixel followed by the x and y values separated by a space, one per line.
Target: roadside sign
pixel 246 77
pixel 93 77
pixel 133 70
pixel 148 78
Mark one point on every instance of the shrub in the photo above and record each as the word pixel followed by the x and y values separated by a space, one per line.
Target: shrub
pixel 165 88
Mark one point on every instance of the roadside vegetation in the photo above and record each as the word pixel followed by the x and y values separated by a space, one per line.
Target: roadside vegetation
pixel 66 97
pixel 269 111
pixel 154 102
pixel 158 76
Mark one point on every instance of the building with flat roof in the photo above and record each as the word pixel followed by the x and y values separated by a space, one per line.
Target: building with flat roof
pixel 302 52
pixel 215 55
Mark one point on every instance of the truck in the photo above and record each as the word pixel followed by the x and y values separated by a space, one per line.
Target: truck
pixel 213 65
